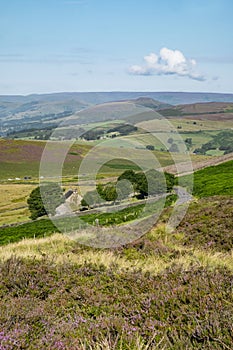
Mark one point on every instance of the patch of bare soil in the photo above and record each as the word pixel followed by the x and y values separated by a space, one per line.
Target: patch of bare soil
pixel 198 165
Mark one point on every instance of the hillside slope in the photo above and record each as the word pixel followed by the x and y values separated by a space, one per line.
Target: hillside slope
pixel 34 111
pixel 201 111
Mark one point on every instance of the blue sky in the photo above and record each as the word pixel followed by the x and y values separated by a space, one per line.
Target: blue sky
pixel 106 45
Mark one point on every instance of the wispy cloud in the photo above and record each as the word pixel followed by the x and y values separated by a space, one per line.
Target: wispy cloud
pixel 77 55
pixel 168 62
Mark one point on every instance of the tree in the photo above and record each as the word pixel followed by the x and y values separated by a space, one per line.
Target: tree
pixel 91 199
pixel 124 189
pixel 170 140
pixel 44 200
pixel 150 147
pixel 156 182
pixel 127 175
pixel 188 141
pixel 110 193
pixel 141 184
pixel 174 148
pixel 152 182
pixel 170 181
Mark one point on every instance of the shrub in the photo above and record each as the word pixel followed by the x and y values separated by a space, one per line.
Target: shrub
pixel 65 306
pixel 45 199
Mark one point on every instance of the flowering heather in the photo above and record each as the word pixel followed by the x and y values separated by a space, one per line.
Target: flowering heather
pixel 70 306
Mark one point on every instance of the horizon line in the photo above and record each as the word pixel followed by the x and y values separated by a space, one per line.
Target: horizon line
pixel 117 91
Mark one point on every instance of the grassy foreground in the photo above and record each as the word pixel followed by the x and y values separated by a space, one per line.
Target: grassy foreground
pixel 159 292
pixel 164 291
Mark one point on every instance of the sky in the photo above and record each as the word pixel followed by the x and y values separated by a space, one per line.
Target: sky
pixel 115 45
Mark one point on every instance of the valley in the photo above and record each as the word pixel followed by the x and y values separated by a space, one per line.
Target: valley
pixel 114 273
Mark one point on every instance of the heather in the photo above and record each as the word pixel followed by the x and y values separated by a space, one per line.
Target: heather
pixel 78 306
pixel 208 224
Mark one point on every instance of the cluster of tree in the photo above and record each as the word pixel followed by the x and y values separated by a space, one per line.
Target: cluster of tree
pixel 93 134
pixel 41 132
pixel 129 183
pixel 124 129
pixel 68 133
pixel 103 193
pixel 152 182
pixel 44 200
pixel 121 129
pixel 222 141
pixel 150 147
pixel 173 147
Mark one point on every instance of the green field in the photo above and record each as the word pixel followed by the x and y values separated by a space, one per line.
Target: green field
pixel 20 158
pixel 212 181
pixel 159 139
pixel 45 227
pixel 40 228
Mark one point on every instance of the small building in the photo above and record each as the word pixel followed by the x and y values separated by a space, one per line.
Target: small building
pixel 68 194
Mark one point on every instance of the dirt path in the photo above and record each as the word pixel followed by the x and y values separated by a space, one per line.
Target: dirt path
pixel 198 165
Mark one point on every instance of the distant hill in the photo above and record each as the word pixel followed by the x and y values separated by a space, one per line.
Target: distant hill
pixel 173 98
pixel 205 111
pixel 16 114
pixel 149 102
pixel 47 110
pixel 47 114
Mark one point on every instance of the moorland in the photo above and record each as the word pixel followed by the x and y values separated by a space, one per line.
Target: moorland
pixel 166 289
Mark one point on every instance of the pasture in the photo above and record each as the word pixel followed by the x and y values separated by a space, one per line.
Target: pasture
pixel 13 204
pixel 212 181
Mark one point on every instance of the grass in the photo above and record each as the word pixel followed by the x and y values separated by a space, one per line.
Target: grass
pixel 158 292
pixel 39 228
pixel 153 138
pixel 214 152
pixel 45 227
pixel 13 206
pixel 19 158
pixel 12 170
pixel 162 291
pixel 151 294
pixel 153 253
pixel 186 125
pixel 130 213
pixel 211 181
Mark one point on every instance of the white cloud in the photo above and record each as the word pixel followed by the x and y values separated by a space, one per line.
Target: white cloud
pixel 167 62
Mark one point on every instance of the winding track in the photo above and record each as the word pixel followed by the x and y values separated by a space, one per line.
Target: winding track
pixel 199 165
